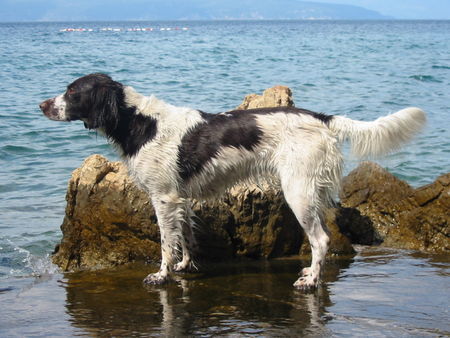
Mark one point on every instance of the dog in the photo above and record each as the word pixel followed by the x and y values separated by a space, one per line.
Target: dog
pixel 177 153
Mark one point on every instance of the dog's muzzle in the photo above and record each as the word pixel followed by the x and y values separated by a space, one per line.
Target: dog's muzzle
pixel 50 110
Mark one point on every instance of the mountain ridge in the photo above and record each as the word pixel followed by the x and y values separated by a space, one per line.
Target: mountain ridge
pixel 85 10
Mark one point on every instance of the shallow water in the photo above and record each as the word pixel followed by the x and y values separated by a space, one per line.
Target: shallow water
pixel 380 292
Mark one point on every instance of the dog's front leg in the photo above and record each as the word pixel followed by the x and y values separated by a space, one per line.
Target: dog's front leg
pixel 170 215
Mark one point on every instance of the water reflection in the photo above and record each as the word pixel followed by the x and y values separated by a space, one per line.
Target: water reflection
pixel 380 292
pixel 244 298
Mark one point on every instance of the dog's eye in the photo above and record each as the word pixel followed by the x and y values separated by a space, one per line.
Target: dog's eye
pixel 71 91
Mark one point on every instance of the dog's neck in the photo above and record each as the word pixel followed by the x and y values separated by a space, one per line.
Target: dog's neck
pixel 171 120
pixel 146 105
pixel 133 128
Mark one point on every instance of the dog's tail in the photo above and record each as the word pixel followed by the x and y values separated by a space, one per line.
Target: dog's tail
pixel 382 136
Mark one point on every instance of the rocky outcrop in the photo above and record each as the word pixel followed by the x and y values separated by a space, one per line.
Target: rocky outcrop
pixel 377 207
pixel 273 97
pixel 109 221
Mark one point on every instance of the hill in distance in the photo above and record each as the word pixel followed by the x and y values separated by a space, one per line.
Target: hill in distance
pixel 85 10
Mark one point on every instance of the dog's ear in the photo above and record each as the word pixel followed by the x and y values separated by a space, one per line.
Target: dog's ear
pixel 104 109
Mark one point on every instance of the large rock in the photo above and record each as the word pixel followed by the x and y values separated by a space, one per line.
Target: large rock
pixel 109 222
pixel 380 208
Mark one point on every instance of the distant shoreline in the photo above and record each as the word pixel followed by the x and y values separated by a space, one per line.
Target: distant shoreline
pixel 224 20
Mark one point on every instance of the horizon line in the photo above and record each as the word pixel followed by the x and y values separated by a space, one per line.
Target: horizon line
pixel 211 20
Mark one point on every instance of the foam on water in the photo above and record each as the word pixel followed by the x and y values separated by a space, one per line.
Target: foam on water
pixel 18 262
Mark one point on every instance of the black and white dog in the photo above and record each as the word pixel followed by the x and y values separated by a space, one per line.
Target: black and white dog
pixel 177 153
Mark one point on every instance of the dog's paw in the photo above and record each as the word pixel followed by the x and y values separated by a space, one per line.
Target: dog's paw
pixel 307 283
pixel 156 279
pixel 305 272
pixel 182 267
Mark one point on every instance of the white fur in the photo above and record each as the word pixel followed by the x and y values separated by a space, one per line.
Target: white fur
pixel 58 113
pixel 381 136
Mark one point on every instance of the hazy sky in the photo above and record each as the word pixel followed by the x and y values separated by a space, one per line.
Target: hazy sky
pixel 403 9
pixel 38 9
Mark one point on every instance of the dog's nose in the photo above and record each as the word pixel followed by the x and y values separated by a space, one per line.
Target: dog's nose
pixel 44 105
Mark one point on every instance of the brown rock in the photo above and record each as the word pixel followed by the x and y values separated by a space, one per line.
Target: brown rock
pixel 108 221
pixel 394 213
pixel 278 96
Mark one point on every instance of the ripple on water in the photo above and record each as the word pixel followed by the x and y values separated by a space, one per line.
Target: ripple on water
pixel 425 78
pixel 440 67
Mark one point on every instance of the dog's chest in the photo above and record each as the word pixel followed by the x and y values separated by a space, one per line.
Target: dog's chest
pixel 154 167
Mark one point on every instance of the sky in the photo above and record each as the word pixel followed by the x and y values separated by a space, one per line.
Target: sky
pixel 25 10
pixel 403 9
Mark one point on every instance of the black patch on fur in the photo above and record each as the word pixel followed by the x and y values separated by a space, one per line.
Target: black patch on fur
pixel 133 132
pixel 236 128
pixel 100 103
pixel 288 110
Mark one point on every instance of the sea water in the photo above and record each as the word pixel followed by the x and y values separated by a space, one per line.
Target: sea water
pixel 361 69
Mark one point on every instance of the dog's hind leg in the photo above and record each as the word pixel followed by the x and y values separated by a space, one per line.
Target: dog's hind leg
pixel 170 214
pixel 309 179
pixel 188 243
pixel 307 209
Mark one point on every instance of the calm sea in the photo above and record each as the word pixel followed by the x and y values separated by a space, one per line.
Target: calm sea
pixel 359 69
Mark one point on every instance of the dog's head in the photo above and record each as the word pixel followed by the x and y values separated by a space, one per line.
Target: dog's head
pixel 94 99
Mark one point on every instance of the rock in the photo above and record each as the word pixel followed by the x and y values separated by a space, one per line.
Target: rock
pixel 109 222
pixel 393 213
pixel 278 96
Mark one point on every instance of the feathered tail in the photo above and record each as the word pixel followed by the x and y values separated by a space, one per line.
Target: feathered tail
pixel 382 136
